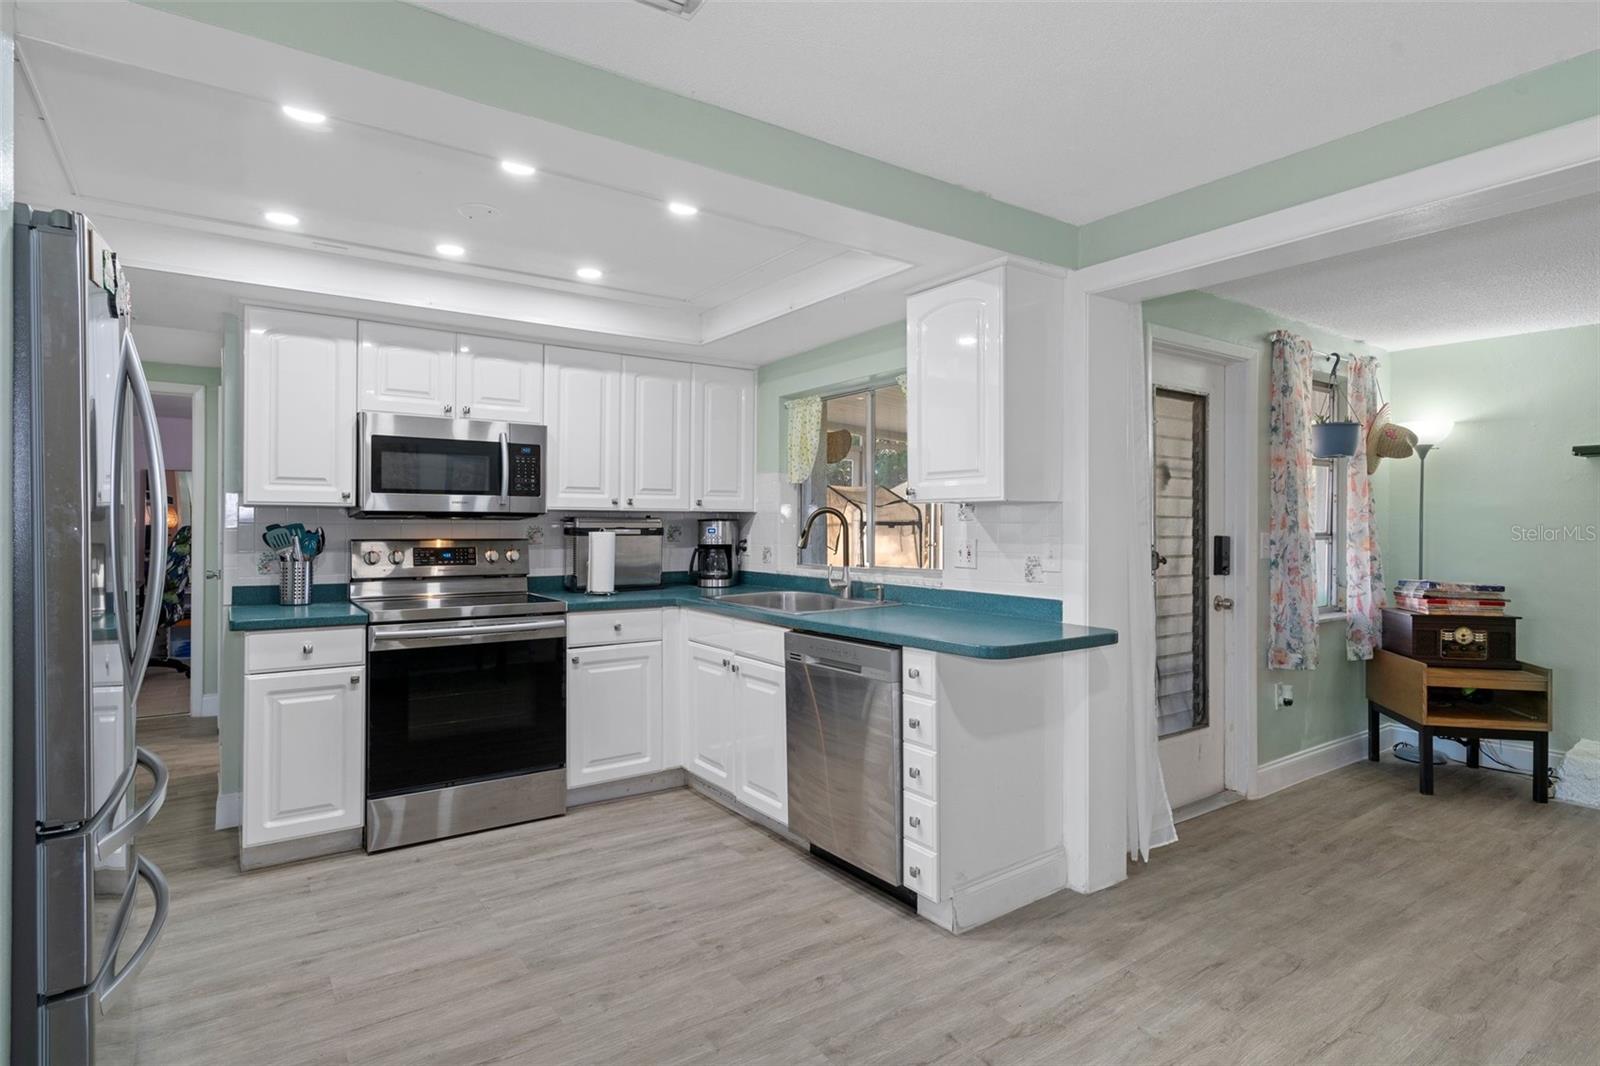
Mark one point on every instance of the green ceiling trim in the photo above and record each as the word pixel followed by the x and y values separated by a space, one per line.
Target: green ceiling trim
pixel 428 49
pixel 1530 103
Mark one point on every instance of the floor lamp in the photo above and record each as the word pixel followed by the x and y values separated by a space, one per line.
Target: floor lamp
pixel 1430 433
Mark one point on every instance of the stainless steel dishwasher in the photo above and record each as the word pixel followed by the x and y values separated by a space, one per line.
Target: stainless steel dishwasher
pixel 844 750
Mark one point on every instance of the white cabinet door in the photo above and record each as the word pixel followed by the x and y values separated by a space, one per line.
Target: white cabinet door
pixel 722 475
pixel 299 408
pixel 499 380
pixel 713 740
pixel 583 399
pixel 613 712
pixel 955 390
pixel 304 753
pixel 655 433
pixel 407 371
pixel 761 775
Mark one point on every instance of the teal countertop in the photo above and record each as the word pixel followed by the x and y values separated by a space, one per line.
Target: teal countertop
pixel 256 607
pixel 964 630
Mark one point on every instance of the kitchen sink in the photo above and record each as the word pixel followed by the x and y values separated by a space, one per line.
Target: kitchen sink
pixel 792 602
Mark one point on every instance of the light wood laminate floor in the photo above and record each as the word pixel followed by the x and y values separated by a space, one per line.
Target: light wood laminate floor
pixel 1346 920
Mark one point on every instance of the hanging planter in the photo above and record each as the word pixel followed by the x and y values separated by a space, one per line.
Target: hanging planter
pixel 1331 439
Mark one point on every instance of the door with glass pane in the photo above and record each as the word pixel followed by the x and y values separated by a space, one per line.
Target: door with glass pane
pixel 1189 488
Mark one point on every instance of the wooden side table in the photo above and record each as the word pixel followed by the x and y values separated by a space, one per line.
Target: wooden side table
pixel 1419 695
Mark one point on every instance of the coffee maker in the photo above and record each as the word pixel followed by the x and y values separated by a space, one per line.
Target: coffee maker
pixel 715 563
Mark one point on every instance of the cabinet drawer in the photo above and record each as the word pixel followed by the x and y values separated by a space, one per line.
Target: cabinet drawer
pixel 918 676
pixel 305 649
pixel 920 821
pixel 920 870
pixel 919 721
pixel 752 639
pixel 612 627
pixel 920 775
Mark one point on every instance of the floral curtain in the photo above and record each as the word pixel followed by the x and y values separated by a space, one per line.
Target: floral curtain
pixel 1363 563
pixel 805 436
pixel 1291 571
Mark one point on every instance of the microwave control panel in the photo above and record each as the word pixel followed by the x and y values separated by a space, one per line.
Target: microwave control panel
pixel 525 470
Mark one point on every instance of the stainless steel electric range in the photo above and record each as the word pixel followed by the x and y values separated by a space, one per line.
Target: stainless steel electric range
pixel 466 700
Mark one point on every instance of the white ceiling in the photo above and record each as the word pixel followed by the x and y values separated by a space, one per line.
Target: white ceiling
pixel 1076 110
pixel 1520 273
pixel 180 170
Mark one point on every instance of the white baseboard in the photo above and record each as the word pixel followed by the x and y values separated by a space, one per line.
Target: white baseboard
pixel 210 705
pixel 1000 893
pixel 1519 753
pixel 230 810
pixel 1290 770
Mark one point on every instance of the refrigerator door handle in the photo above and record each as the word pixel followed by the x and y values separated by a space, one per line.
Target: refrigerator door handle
pixel 110 978
pixel 107 845
pixel 156 574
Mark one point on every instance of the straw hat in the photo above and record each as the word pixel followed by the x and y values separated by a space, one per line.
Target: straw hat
pixel 1386 440
pixel 840 442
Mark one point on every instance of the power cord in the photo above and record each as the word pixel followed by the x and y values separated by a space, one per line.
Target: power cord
pixel 1503 767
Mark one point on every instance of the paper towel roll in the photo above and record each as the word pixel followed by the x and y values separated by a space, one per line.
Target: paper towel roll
pixel 602 563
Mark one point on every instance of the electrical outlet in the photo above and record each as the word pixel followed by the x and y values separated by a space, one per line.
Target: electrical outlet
pixel 1052 559
pixel 1283 694
pixel 966 556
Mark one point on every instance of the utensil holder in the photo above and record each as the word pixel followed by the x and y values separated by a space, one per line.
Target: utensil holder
pixel 294 582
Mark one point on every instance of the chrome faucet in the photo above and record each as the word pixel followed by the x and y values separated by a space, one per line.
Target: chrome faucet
pixel 844 525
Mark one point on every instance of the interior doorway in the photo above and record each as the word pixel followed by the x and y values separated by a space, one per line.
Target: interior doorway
pixel 174 683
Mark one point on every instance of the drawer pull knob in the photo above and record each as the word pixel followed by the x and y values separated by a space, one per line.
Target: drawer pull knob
pixel 617 627
pixel 916 873
pixel 915 723
pixel 307 648
pixel 916 822
pixel 913 673
pixel 726 663
pixel 915 773
pixel 355 679
pixel 574 660
pixel 447 408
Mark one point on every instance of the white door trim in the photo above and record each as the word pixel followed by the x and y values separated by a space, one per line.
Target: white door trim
pixel 1241 443
pixel 1545 168
pixel 200 529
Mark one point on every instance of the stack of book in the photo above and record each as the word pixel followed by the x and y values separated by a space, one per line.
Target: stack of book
pixel 1450 597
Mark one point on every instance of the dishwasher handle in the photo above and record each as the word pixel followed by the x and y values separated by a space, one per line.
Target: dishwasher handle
pixel 840 666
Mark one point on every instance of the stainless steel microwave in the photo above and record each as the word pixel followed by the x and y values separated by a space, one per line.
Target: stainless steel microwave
pixel 416 465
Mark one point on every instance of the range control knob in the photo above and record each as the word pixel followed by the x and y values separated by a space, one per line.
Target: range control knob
pixel 397 557
pixel 512 555
pixel 373 556
pixel 491 556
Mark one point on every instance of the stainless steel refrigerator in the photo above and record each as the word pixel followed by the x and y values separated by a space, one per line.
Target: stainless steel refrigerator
pixel 89 543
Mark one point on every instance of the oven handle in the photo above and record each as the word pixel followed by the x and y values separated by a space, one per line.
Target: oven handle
pixel 385 638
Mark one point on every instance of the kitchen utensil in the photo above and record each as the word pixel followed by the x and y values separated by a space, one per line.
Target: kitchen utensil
pixel 278 538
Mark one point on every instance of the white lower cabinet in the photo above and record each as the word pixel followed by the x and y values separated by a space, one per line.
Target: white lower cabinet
pixel 304 749
pixel 761 769
pixel 734 706
pixel 614 706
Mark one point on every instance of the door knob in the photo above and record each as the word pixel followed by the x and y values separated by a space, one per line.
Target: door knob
pixel 1222 603
pixel 212 575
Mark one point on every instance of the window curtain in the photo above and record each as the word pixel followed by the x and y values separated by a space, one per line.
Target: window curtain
pixel 805 437
pixel 1363 563
pixel 1291 571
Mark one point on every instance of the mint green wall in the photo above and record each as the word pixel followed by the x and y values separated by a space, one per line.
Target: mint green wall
pixel 209 555
pixel 1507 499
pixel 1330 701
pixel 1532 103
pixel 859 359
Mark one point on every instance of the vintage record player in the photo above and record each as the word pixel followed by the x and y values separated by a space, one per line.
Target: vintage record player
pixel 1487 642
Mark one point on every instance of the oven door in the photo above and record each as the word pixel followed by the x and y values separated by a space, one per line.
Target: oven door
pixel 416 465
pixel 455 702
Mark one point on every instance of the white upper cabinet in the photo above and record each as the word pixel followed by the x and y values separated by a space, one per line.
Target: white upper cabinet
pixel 499 380
pixel 299 408
pixel 407 371
pixel 983 387
pixel 761 776
pixel 722 455
pixel 583 400
pixel 655 434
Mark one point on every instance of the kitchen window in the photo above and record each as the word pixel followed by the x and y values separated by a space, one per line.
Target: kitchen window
pixel 1327 512
pixel 867 482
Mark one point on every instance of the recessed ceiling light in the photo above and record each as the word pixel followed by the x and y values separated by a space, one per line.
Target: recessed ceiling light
pixel 967 340
pixel 454 251
pixel 467 348
pixel 281 218
pixel 521 170
pixel 590 273
pixel 682 210
pixel 305 115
